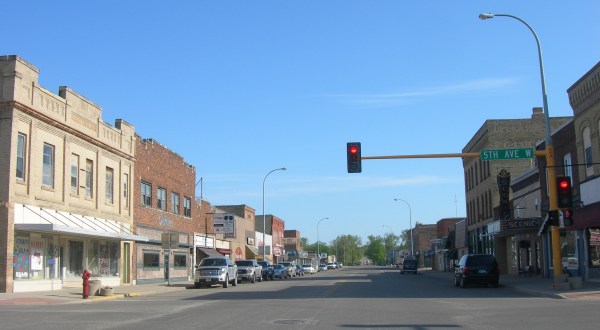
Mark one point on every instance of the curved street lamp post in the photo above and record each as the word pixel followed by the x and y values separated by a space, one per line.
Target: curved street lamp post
pixel 412 248
pixel 319 242
pixel 264 215
pixel 551 173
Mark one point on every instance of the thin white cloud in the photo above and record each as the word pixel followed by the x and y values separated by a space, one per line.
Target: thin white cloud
pixel 401 98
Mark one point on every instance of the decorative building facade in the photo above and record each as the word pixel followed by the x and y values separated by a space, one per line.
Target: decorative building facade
pixel 65 187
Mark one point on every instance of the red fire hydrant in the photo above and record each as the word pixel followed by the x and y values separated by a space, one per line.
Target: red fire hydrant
pixel 86 283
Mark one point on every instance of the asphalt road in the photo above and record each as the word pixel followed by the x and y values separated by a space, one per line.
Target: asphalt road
pixel 354 298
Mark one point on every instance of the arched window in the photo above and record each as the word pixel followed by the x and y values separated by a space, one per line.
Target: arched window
pixel 587 152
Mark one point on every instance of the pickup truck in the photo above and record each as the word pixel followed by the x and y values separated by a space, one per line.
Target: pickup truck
pixel 267 270
pixel 249 270
pixel 216 270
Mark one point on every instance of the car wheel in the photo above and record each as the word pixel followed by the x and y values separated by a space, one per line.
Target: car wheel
pixel 253 279
pixel 455 281
pixel 197 285
pixel 260 278
pixel 463 282
pixel 226 283
pixel 235 281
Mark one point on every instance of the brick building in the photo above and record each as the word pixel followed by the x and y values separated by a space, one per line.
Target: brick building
pixel 276 228
pixel 483 198
pixel 422 235
pixel 242 242
pixel 65 183
pixel 164 202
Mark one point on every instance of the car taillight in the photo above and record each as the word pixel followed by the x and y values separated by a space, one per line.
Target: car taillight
pixel 465 270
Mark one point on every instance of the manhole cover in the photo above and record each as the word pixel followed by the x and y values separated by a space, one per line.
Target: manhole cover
pixel 289 322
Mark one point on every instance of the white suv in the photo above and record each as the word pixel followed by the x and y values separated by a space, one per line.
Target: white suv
pixel 216 270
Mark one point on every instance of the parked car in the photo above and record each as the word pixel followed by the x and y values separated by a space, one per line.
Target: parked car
pixel 331 265
pixel 249 270
pixel 322 267
pixel 308 269
pixel 267 270
pixel 290 267
pixel 477 268
pixel 216 270
pixel 299 270
pixel 280 271
pixel 409 266
pixel 339 265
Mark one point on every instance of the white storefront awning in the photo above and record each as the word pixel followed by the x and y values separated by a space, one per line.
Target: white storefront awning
pixel 40 219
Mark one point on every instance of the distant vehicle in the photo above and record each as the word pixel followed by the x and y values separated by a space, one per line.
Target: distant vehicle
pixel 322 267
pixel 249 270
pixel 267 270
pixel 280 271
pixel 308 269
pixel 290 267
pixel 338 265
pixel 216 270
pixel 331 265
pixel 477 268
pixel 409 266
pixel 299 270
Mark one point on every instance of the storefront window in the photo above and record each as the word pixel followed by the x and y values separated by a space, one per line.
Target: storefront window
pixel 568 249
pixel 151 259
pixel 75 268
pixel 21 257
pixel 104 258
pixel 594 247
pixel 180 260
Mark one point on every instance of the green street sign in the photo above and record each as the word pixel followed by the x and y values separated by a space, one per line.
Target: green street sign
pixel 504 154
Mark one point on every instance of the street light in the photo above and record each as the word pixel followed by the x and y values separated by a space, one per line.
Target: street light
pixel 551 174
pixel 412 248
pixel 318 242
pixel 264 215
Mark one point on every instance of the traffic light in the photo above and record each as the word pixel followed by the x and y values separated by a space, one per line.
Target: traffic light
pixel 564 192
pixel 553 218
pixel 354 160
pixel 567 217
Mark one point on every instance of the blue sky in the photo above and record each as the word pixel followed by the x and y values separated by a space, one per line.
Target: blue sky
pixel 239 88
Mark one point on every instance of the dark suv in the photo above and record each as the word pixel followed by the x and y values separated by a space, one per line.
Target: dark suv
pixel 477 268
pixel 408 266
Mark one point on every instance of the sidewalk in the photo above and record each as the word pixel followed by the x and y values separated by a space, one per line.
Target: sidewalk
pixel 75 296
pixel 533 285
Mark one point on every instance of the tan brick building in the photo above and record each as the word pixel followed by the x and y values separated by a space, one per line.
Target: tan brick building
pixel 481 177
pixel 242 242
pixel 164 202
pixel 65 186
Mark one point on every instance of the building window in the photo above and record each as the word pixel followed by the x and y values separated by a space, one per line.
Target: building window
pixel 75 174
pixel 161 199
pixel 146 194
pixel 568 169
pixel 48 171
pixel 187 207
pixel 151 259
pixel 180 260
pixel 126 190
pixel 89 178
pixel 21 152
pixel 175 203
pixel 587 152
pixel 108 191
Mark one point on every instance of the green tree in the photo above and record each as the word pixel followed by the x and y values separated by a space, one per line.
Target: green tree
pixel 375 249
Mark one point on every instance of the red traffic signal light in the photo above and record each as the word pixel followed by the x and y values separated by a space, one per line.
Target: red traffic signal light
pixel 354 158
pixel 564 192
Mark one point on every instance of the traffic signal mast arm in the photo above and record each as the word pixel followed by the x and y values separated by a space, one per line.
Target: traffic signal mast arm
pixel 539 153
